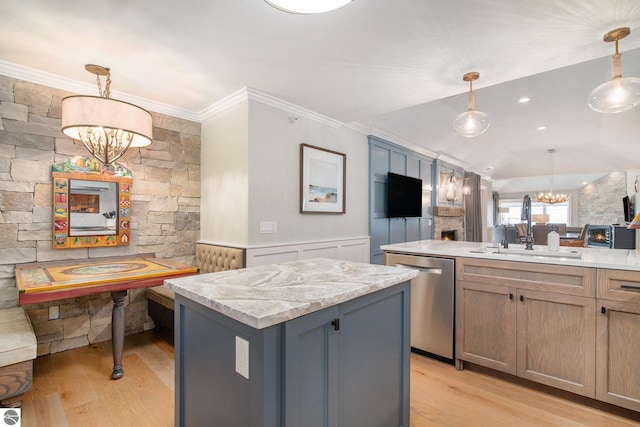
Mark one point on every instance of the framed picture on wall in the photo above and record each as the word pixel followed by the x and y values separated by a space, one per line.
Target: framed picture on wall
pixel 322 180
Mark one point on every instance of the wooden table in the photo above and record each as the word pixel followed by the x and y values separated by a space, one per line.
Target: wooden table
pixel 52 281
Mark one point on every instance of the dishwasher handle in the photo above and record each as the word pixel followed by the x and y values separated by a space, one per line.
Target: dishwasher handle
pixel 428 270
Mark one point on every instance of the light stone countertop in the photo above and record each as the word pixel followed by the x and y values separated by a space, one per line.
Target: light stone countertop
pixel 618 259
pixel 267 295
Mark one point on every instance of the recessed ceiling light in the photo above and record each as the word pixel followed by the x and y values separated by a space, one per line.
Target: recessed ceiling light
pixel 524 100
pixel 306 6
pixel 584 182
pixel 541 128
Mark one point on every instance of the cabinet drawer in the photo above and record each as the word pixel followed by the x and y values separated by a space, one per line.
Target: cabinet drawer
pixel 561 279
pixel 619 285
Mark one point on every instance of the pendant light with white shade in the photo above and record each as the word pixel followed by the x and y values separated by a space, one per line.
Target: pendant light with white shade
pixel 620 93
pixel 471 123
pixel 107 127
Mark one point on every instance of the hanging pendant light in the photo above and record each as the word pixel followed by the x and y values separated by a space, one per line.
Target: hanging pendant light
pixel 107 127
pixel 620 93
pixel 471 123
pixel 307 6
pixel 551 197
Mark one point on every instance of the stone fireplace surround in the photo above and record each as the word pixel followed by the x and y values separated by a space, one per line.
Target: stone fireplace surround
pixel 448 218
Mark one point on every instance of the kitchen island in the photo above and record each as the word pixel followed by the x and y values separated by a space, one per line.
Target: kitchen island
pixel 315 342
pixel 568 319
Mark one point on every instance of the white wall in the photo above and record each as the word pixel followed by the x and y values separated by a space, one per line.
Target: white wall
pixel 274 190
pixel 250 168
pixel 224 174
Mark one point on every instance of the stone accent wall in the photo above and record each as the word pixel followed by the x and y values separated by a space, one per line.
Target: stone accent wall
pixel 441 223
pixel 165 209
pixel 600 202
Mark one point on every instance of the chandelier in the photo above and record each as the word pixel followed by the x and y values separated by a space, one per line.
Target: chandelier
pixel 471 123
pixel 550 197
pixel 618 94
pixel 107 127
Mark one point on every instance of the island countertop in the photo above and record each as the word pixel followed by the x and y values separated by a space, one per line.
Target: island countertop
pixel 267 295
pixel 619 259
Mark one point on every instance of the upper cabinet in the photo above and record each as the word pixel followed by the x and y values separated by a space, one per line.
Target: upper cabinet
pixel 91 204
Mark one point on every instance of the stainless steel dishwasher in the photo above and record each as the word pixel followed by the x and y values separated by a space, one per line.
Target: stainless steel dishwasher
pixel 432 304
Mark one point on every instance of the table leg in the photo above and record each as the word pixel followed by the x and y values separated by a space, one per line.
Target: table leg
pixel 117 332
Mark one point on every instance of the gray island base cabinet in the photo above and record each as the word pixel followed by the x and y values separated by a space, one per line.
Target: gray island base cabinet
pixel 343 365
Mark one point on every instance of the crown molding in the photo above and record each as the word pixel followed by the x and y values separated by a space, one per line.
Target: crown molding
pixel 73 86
pixel 295 110
pixel 57 82
pixel 248 93
pixel 224 104
pixel 413 147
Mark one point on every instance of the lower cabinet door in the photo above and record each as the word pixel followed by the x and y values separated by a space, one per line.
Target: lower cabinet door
pixel 310 393
pixel 373 360
pixel 348 366
pixel 617 353
pixel 555 340
pixel 486 325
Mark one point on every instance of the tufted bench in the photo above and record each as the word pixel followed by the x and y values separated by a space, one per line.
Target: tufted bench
pixel 208 259
pixel 18 348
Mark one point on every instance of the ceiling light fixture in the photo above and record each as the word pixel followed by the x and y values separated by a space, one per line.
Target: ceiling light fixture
pixel 618 94
pixel 307 6
pixel 471 123
pixel 551 197
pixel 524 100
pixel 107 127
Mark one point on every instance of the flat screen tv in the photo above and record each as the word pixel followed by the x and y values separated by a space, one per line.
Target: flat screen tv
pixel 628 209
pixel 404 196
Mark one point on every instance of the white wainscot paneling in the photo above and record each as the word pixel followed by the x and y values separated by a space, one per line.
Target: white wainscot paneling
pixel 356 250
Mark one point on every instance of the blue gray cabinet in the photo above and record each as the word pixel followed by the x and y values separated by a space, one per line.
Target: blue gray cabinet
pixel 346 365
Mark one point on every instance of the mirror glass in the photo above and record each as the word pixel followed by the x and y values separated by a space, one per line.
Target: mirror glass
pixel 93 207
pixel 91 204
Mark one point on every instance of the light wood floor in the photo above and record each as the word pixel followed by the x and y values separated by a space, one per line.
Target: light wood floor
pixel 73 388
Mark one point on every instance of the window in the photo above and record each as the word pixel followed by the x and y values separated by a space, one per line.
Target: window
pixel 558 213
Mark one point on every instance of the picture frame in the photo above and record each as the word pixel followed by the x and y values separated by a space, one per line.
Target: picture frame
pixel 322 180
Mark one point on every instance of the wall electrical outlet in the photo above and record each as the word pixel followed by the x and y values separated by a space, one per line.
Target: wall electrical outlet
pixel 268 227
pixel 242 357
pixel 54 312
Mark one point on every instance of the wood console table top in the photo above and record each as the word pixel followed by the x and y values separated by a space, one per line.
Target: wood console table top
pixel 40 282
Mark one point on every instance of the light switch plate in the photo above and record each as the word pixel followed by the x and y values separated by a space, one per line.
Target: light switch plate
pixel 242 357
pixel 268 227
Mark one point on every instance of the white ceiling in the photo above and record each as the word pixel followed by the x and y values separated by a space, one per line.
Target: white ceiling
pixel 393 67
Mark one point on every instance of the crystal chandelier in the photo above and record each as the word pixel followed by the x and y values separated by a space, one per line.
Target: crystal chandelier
pixel 550 197
pixel 471 123
pixel 107 127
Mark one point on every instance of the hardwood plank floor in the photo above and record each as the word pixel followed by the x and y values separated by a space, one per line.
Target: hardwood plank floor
pixel 74 388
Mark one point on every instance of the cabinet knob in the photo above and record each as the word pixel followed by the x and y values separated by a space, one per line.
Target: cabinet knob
pixel 603 310
pixel 510 295
pixel 522 298
pixel 336 324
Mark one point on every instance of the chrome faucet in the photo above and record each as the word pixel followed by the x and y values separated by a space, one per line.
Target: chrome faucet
pixel 526 214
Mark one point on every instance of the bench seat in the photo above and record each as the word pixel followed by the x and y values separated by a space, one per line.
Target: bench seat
pixel 18 348
pixel 208 259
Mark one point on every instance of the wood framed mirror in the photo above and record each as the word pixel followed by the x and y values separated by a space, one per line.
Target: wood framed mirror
pixel 91 203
